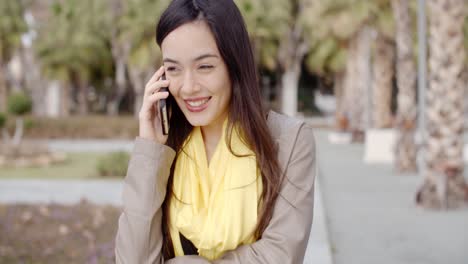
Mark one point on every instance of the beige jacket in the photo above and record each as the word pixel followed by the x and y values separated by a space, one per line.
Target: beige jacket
pixel 139 236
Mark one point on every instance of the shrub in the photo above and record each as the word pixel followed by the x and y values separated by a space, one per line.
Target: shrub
pixel 28 123
pixel 2 120
pixel 113 164
pixel 19 104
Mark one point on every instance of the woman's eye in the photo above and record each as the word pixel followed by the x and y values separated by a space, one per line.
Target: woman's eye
pixel 205 67
pixel 171 69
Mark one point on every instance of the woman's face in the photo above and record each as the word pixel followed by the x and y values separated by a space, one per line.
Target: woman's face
pixel 199 79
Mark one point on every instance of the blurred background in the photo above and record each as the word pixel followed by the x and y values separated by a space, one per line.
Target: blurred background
pixel 384 83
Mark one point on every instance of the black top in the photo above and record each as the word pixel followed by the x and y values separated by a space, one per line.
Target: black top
pixel 187 246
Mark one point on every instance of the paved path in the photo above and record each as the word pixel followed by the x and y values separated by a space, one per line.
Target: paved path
pixel 60 191
pixel 372 216
pixel 319 250
pixel 88 145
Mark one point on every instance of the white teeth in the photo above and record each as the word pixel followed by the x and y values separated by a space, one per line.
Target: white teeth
pixel 197 103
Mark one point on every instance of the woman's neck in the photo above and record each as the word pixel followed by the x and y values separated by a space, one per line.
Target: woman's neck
pixel 211 135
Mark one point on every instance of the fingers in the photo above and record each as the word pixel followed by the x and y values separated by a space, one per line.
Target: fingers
pixel 155 83
pixel 147 106
pixel 154 87
pixel 157 96
pixel 156 75
pixel 154 98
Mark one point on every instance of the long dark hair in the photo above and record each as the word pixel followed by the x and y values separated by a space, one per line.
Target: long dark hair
pixel 245 107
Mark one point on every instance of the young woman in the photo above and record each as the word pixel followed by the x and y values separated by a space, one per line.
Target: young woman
pixel 230 183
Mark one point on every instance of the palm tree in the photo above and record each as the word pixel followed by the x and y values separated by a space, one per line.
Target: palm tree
pixel 277 29
pixel 12 25
pixel 333 24
pixel 444 185
pixel 357 32
pixel 358 80
pixel 352 25
pixel 327 57
pixel 282 35
pixel 142 63
pixel 266 22
pixel 384 58
pixel 466 71
pixel 137 28
pixel 405 150
pixel 293 47
pixel 383 63
pixel 72 46
pixel 120 48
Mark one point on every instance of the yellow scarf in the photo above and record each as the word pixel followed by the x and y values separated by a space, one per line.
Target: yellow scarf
pixel 215 206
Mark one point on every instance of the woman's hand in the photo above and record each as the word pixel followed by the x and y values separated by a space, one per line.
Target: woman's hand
pixel 150 124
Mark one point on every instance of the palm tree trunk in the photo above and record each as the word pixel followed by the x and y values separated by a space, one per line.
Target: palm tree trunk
pixel 356 82
pixel 405 150
pixel 33 81
pixel 83 107
pixel 65 98
pixel 120 87
pixel 3 89
pixel 290 82
pixel 291 53
pixel 339 90
pixel 120 52
pixel 18 136
pixel 382 86
pixel 338 82
pixel 444 185
pixel 81 87
pixel 344 110
pixel 138 88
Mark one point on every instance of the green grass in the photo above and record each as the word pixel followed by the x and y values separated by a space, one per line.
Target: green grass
pixel 77 166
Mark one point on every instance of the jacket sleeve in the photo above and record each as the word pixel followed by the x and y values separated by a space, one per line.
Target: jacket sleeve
pixel 139 234
pixel 285 239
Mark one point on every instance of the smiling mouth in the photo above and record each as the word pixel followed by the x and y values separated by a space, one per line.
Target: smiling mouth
pixel 198 104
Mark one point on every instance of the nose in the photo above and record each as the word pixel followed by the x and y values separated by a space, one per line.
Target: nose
pixel 189 86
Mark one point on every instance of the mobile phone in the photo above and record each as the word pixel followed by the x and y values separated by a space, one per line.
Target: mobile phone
pixel 164 108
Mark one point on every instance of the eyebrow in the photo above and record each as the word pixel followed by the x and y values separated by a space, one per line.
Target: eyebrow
pixel 208 55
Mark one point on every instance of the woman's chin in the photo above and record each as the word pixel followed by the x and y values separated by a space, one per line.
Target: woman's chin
pixel 198 119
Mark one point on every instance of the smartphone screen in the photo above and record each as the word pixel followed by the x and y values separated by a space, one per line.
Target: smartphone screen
pixel 164 110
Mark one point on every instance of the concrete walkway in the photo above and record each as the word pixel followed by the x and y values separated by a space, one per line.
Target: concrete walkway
pixel 87 145
pixel 372 216
pixel 60 191
pixel 319 249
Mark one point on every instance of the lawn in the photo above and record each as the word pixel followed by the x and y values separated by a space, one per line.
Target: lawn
pixel 77 166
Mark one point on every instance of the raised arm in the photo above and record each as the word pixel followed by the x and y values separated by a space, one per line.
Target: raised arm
pixel 139 235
